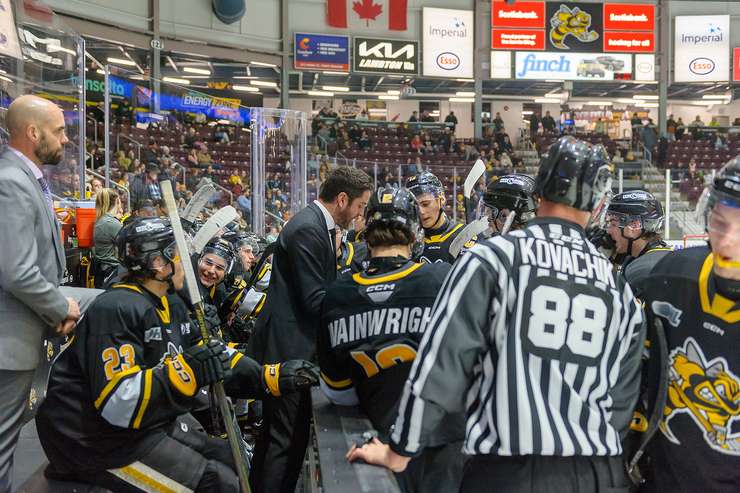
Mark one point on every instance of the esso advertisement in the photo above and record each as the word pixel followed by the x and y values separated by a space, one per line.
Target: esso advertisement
pixel 629 17
pixel 448 43
pixel 519 14
pixel 736 64
pixel 629 42
pixel 702 48
pixel 645 67
pixel 571 66
pixel 518 39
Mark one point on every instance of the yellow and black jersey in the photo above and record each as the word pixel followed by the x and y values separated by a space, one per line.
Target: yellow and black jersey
pixel 637 270
pixel 371 326
pixel 122 381
pixel 353 257
pixel 698 446
pixel 437 243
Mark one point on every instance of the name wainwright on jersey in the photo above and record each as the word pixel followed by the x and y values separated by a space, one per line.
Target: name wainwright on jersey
pixel 382 321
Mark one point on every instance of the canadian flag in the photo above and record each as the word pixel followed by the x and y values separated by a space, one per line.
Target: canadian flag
pixel 365 13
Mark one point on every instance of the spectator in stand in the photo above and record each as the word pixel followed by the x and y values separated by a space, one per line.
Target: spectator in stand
pixel 695 127
pixel 190 138
pixel 714 122
pixel 680 128
pixel 123 162
pixel 600 126
pixel 416 144
pixel 720 144
pixel 414 117
pixel 365 143
pixel 505 144
pixel 343 139
pixel 670 127
pixel 548 123
pixel 426 117
pixel 468 152
pixel 362 115
pixel 694 177
pixel 324 133
pixel 662 152
pixel 96 159
pixel 221 135
pixel 146 185
pixel 193 178
pixel 145 208
pixel 124 112
pixel 315 124
pixel 204 157
pixel 244 203
pixel 108 211
pixel 649 135
pixel 498 123
pixel 151 153
pixel 192 158
pixel 451 120
pixel 736 123
pixel 487 127
pixel 96 185
pixel 428 145
pixel 534 125
pixel 636 124
pixel 355 133
pixel 617 159
pixel 443 141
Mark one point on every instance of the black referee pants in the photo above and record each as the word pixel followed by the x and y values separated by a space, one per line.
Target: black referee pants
pixel 544 474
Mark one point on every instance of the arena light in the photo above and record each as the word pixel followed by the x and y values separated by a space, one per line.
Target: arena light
pixel 176 80
pixel 393 92
pixel 245 88
pixel 335 88
pixel 625 100
pixel 263 64
pixel 331 72
pixel 193 70
pixel 245 77
pixel 465 94
pixel 525 113
pixel 599 103
pixel 645 96
pixel 263 83
pixel 716 96
pixel 461 100
pixel 388 97
pixel 321 93
pixel 546 100
pixel 465 80
pixel 121 61
pixel 196 76
pixel 55 48
pixel 651 105
pixel 555 80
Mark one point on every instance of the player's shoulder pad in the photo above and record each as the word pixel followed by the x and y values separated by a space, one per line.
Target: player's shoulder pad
pixel 684 263
pixel 437 269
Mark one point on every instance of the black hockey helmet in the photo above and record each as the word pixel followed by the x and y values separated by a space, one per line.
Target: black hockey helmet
pixel 636 205
pixel 395 208
pixel 141 240
pixel 514 192
pixel 725 188
pixel 239 239
pixel 574 173
pixel 425 182
pixel 221 248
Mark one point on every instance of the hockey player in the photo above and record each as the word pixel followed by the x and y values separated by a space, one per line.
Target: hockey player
pixel 541 338
pixel 507 194
pixel 118 400
pixel 351 255
pixel 696 294
pixel 439 231
pixel 368 367
pixel 634 221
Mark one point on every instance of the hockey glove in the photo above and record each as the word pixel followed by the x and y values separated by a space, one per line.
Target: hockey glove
pixel 290 376
pixel 199 366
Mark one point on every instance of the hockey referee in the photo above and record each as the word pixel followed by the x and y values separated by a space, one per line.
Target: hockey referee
pixel 538 342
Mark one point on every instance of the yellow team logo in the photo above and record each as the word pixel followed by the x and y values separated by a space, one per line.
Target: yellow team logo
pixel 571 22
pixel 708 392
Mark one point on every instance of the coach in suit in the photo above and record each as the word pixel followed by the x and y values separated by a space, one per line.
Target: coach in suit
pixel 31 305
pixel 304 263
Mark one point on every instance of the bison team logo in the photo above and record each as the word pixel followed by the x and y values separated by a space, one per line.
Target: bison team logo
pixel 571 22
pixel 708 392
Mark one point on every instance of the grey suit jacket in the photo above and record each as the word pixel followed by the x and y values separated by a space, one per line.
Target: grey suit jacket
pixel 32 264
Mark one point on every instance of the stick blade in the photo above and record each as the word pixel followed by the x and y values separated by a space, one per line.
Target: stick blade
pixel 478 169
pixel 215 223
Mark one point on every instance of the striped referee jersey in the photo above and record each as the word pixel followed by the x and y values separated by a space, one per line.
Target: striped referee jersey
pixel 537 340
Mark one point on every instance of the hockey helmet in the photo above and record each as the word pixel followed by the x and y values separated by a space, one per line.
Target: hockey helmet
pixel 425 182
pixel 725 190
pixel 574 173
pixel 396 208
pixel 221 248
pixel 239 239
pixel 636 206
pixel 143 239
pixel 514 192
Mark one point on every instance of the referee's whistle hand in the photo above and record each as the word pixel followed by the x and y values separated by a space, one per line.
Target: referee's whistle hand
pixel 73 310
pixel 66 327
pixel 379 454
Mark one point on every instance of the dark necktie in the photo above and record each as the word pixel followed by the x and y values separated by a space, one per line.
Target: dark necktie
pixel 47 193
pixel 333 237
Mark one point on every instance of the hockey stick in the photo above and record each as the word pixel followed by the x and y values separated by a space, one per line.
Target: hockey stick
pixel 197 202
pixel 474 175
pixel 466 234
pixel 217 389
pixel 509 221
pixel 215 223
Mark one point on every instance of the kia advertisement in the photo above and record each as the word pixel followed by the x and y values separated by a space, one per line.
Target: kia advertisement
pixel 385 56
pixel 321 52
pixel 571 66
pixel 519 14
pixel 447 42
pixel 702 48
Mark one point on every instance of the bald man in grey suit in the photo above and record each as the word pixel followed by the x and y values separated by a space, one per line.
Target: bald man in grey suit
pixel 31 305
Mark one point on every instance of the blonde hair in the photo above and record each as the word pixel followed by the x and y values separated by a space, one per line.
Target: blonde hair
pixel 104 202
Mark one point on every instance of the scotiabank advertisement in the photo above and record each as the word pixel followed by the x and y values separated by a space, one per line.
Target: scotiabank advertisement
pixel 629 17
pixel 519 14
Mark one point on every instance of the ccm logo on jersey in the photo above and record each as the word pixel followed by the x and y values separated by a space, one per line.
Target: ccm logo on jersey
pixel 379 293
